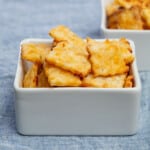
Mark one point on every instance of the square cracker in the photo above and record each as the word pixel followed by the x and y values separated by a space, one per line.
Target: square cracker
pixel 42 79
pixel 109 57
pixel 61 78
pixel 35 52
pixel 65 57
pixel 30 78
pixel 129 82
pixel 116 81
pixel 62 33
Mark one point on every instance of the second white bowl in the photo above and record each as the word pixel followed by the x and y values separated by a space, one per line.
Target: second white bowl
pixel 141 38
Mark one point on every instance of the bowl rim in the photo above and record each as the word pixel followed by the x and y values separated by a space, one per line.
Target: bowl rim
pixel 17 79
pixel 104 28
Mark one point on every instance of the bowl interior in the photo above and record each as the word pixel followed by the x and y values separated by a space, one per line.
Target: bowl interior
pixel 24 65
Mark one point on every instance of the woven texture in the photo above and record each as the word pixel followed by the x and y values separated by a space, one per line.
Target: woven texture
pixel 21 19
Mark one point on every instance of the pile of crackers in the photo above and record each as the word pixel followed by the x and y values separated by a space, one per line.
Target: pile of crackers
pixel 71 61
pixel 128 14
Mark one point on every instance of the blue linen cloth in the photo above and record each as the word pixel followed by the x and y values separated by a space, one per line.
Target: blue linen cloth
pixel 21 19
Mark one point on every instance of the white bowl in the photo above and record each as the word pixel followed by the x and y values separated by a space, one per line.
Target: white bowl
pixel 76 111
pixel 141 38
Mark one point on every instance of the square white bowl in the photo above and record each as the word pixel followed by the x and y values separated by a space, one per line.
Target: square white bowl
pixel 76 111
pixel 141 38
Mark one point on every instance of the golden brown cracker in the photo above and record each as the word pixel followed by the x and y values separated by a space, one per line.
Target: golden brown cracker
pixel 145 4
pixel 61 78
pixel 64 56
pixel 42 79
pixel 113 7
pixel 30 78
pixel 108 57
pixel 35 52
pixel 116 81
pixel 129 82
pixel 62 33
pixel 146 17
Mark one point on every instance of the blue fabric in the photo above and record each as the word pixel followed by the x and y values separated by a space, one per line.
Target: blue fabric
pixel 21 19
